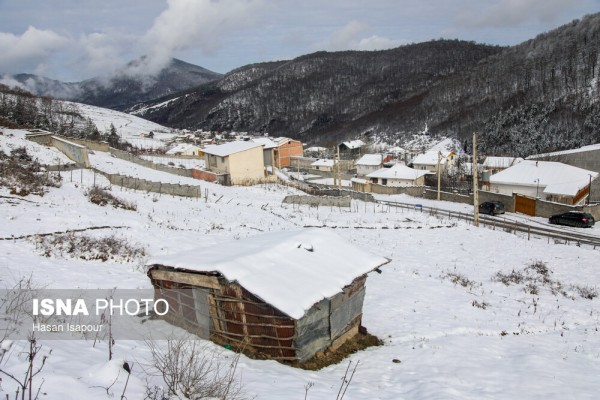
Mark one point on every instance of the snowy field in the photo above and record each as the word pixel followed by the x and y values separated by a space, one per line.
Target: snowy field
pixel 457 332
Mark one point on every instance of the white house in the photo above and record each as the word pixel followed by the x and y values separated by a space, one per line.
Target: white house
pixel 323 165
pixel 369 163
pixel 428 161
pixel 548 180
pixel 398 175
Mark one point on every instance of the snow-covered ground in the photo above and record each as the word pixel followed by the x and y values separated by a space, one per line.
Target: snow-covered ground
pixel 12 139
pixel 453 329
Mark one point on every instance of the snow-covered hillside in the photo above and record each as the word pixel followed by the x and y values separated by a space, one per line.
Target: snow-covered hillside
pixel 451 328
pixel 128 126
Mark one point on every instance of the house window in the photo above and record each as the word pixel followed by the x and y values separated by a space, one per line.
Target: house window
pixel 384 181
pixel 212 161
pixel 222 159
pixel 374 180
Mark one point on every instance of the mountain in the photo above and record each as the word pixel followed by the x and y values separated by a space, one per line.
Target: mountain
pixel 318 96
pixel 540 95
pixel 124 88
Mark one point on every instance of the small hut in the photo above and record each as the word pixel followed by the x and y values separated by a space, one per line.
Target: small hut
pixel 283 295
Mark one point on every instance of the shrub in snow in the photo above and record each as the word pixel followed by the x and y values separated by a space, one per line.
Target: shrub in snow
pixel 88 248
pixel 102 198
pixel 22 174
pixel 190 370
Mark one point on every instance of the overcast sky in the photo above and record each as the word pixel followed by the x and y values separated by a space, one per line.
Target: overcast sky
pixel 72 40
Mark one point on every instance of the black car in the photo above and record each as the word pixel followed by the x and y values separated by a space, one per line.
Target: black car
pixel 573 218
pixel 491 208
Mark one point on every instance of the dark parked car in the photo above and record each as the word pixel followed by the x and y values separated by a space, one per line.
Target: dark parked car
pixel 573 218
pixel 491 208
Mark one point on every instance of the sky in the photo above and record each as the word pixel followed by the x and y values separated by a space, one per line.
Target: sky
pixel 73 40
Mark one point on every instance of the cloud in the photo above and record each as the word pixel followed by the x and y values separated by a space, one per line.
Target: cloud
pixel 29 50
pixel 193 24
pixel 349 38
pixel 508 13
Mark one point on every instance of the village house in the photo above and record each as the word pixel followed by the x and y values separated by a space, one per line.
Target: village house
pixel 323 165
pixel 352 147
pixel 284 295
pixel 398 175
pixel 546 180
pixel 428 161
pixel 279 151
pixel 184 149
pixel 241 162
pixel 370 163
pixel 586 157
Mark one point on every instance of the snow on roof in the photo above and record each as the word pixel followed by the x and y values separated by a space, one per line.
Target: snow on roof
pixel 398 171
pixel 291 270
pixel 556 178
pixel 359 180
pixel 501 162
pixel 396 150
pixel 370 159
pixel 429 158
pixel 280 141
pixel 316 149
pixel 354 144
pixel 323 163
pixel 224 150
pixel 266 142
pixel 180 148
pixel 590 147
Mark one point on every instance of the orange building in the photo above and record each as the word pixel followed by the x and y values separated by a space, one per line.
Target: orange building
pixel 286 148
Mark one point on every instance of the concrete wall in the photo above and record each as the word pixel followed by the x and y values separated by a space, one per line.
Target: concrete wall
pixel 318 200
pixel 247 166
pixel 74 151
pixel 90 144
pixel 153 187
pixel 40 138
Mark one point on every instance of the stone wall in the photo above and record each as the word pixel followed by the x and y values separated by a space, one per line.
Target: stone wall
pixel 316 201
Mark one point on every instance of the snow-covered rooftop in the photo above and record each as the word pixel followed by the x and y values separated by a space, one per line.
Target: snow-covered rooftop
pixel 590 147
pixel 430 158
pixel 265 142
pixel 316 149
pixel 291 270
pixel 224 150
pixel 556 178
pixel 370 159
pixel 323 163
pixel 354 144
pixel 501 162
pixel 398 171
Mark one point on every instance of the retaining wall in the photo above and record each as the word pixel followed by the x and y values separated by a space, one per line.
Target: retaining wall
pixel 74 151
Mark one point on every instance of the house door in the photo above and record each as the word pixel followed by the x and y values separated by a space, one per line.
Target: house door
pixel 524 204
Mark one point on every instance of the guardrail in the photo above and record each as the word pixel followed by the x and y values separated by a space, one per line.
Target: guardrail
pixel 509 226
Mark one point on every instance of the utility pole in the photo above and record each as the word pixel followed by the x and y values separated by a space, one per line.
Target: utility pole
pixel 589 199
pixel 475 184
pixel 338 169
pixel 439 174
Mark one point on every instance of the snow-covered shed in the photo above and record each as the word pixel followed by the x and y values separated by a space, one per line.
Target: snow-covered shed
pixel 323 165
pixel 284 295
pixel 370 163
